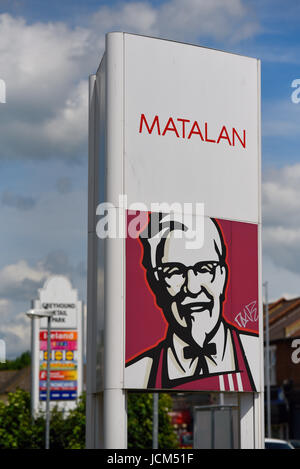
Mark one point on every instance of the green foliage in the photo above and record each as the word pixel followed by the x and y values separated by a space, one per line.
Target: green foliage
pixel 18 429
pixel 20 362
pixel 140 408
pixel 68 432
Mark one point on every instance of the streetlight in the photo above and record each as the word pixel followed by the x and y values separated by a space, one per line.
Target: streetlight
pixel 44 313
pixel 155 421
pixel 268 386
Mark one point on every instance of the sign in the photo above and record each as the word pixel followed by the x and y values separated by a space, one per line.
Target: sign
pixel 65 344
pixel 197 312
pixel 65 316
pixel 63 367
pixel 174 274
pixel 191 137
pixel 69 336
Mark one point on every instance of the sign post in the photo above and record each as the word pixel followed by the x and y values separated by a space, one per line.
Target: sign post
pixel 33 313
pixel 48 383
pixel 57 350
pixel 174 251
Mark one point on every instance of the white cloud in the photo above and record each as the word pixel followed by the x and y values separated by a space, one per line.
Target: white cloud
pixel 46 110
pixel 281 281
pixel 17 273
pixel 5 309
pixel 280 197
pixel 67 130
pixel 14 328
pixel 19 284
pixel 46 66
pixel 36 57
pixel 57 222
pixel 281 217
pixel 135 17
pixel 281 117
pixel 231 20
pixel 174 19
pixel 19 331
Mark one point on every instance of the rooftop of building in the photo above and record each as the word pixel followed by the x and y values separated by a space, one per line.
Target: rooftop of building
pixel 284 318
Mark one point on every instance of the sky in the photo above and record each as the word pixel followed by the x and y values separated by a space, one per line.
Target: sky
pixel 47 52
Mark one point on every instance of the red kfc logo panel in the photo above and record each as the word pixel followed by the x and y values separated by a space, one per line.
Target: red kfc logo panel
pixel 191 310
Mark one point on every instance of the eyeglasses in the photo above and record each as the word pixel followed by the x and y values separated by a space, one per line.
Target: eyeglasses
pixel 176 274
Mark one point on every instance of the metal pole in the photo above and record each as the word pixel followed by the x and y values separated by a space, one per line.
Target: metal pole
pixel 212 429
pixel 33 323
pixel 155 421
pixel 47 435
pixel 32 366
pixel 269 431
pixel 231 428
pixel 114 412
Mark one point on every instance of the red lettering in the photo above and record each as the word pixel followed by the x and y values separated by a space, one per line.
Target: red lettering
pixel 207 139
pixel 226 137
pixel 183 125
pixel 197 132
pixel 170 129
pixel 243 142
pixel 150 129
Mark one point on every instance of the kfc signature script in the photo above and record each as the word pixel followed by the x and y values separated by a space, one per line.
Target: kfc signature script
pixel 249 314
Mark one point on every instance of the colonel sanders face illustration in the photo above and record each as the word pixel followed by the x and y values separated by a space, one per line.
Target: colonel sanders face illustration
pixel 189 284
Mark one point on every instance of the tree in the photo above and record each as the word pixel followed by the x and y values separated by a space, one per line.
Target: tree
pixel 67 431
pixel 18 429
pixel 140 407
pixel 18 363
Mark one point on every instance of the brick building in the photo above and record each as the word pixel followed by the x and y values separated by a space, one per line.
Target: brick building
pixel 284 331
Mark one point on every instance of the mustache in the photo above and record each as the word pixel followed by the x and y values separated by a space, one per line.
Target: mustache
pixel 203 297
pixel 188 304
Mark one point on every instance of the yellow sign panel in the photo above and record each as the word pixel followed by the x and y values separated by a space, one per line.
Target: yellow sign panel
pixel 69 355
pixel 58 355
pixel 59 365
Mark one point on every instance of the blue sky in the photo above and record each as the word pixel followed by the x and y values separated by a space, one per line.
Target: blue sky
pixel 47 52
